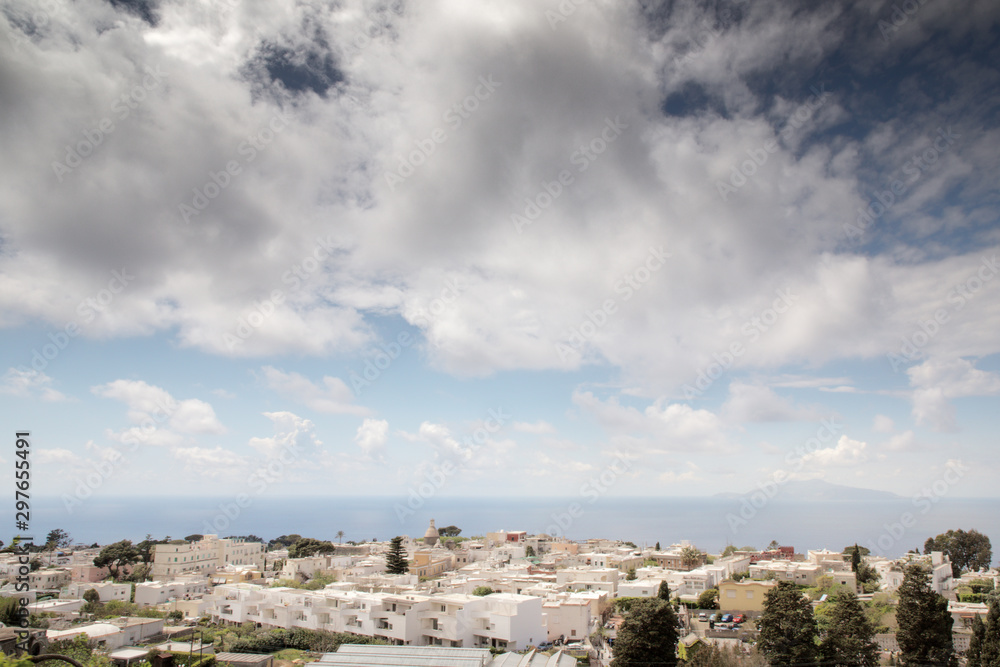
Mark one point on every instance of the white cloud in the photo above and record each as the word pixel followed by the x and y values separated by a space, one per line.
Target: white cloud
pixel 538 428
pixel 758 403
pixel 333 397
pixel 883 424
pixel 662 425
pixel 56 455
pixel 371 438
pixel 29 384
pixel 150 406
pixel 845 453
pixel 291 433
pixel 936 381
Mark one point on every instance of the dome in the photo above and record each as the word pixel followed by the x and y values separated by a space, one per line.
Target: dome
pixel 431 536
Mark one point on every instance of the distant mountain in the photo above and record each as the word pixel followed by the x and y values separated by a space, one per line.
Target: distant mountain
pixel 817 489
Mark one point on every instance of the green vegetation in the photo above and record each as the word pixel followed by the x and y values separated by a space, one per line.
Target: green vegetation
pixel 967 550
pixel 316 582
pixel 849 638
pixel 647 636
pixel 709 599
pixel 318 641
pixel 309 547
pixel 482 591
pixel 984 646
pixel 117 556
pixel 395 557
pixel 788 629
pixel 925 624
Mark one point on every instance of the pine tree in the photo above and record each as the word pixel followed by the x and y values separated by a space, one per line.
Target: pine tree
pixel 850 639
pixel 647 636
pixel 787 627
pixel 664 591
pixel 973 656
pixel 991 637
pixel 855 559
pixel 925 624
pixel 395 558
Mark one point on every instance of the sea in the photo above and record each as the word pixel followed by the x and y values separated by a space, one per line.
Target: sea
pixel 888 527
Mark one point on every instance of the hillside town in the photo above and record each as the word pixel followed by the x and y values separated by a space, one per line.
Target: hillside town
pixel 504 598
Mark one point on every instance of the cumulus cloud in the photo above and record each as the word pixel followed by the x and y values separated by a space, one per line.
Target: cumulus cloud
pixel 758 403
pixel 662 425
pixel 937 381
pixel 291 433
pixel 537 428
pixel 29 384
pixel 314 124
pixel 371 438
pixel 845 453
pixel 333 397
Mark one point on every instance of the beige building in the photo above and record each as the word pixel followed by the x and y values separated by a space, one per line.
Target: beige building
pixel 744 595
pixel 206 556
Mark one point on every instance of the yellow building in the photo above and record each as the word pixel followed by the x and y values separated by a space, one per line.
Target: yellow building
pixel 744 595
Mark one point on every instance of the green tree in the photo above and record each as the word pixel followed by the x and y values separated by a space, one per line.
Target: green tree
pixel 340 536
pixel 773 546
pixel 195 537
pixel 450 531
pixel 990 652
pixel 529 551
pixel 664 591
pixel 966 549
pixel 117 556
pixel 395 557
pixel 91 595
pixel 657 547
pixel 631 574
pixel 146 548
pixel 855 559
pixel 310 547
pixel 787 627
pixel 9 608
pixel 974 654
pixel 690 557
pixel 709 599
pixel 482 591
pixel 647 636
pixel 850 639
pixel 925 624
pixel 864 551
pixel 57 539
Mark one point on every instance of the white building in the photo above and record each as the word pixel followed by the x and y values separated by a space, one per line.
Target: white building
pixel 568 618
pixel 107 591
pixel 157 592
pixel 501 620
pixel 205 556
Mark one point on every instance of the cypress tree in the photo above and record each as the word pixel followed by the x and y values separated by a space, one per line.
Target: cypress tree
pixel 647 636
pixel 850 639
pixel 973 656
pixel 395 558
pixel 787 627
pixel 925 624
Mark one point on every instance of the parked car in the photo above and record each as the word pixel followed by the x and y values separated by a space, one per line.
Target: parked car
pixel 544 645
pixel 738 618
pixel 727 618
pixel 713 618
pixel 702 616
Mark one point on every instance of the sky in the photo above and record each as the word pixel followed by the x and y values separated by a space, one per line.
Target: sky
pixel 490 247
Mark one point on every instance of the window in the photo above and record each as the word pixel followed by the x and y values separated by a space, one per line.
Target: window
pixel 749 595
pixel 730 594
pixel 572 633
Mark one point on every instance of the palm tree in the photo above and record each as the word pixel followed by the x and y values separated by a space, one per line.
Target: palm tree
pixel 340 536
